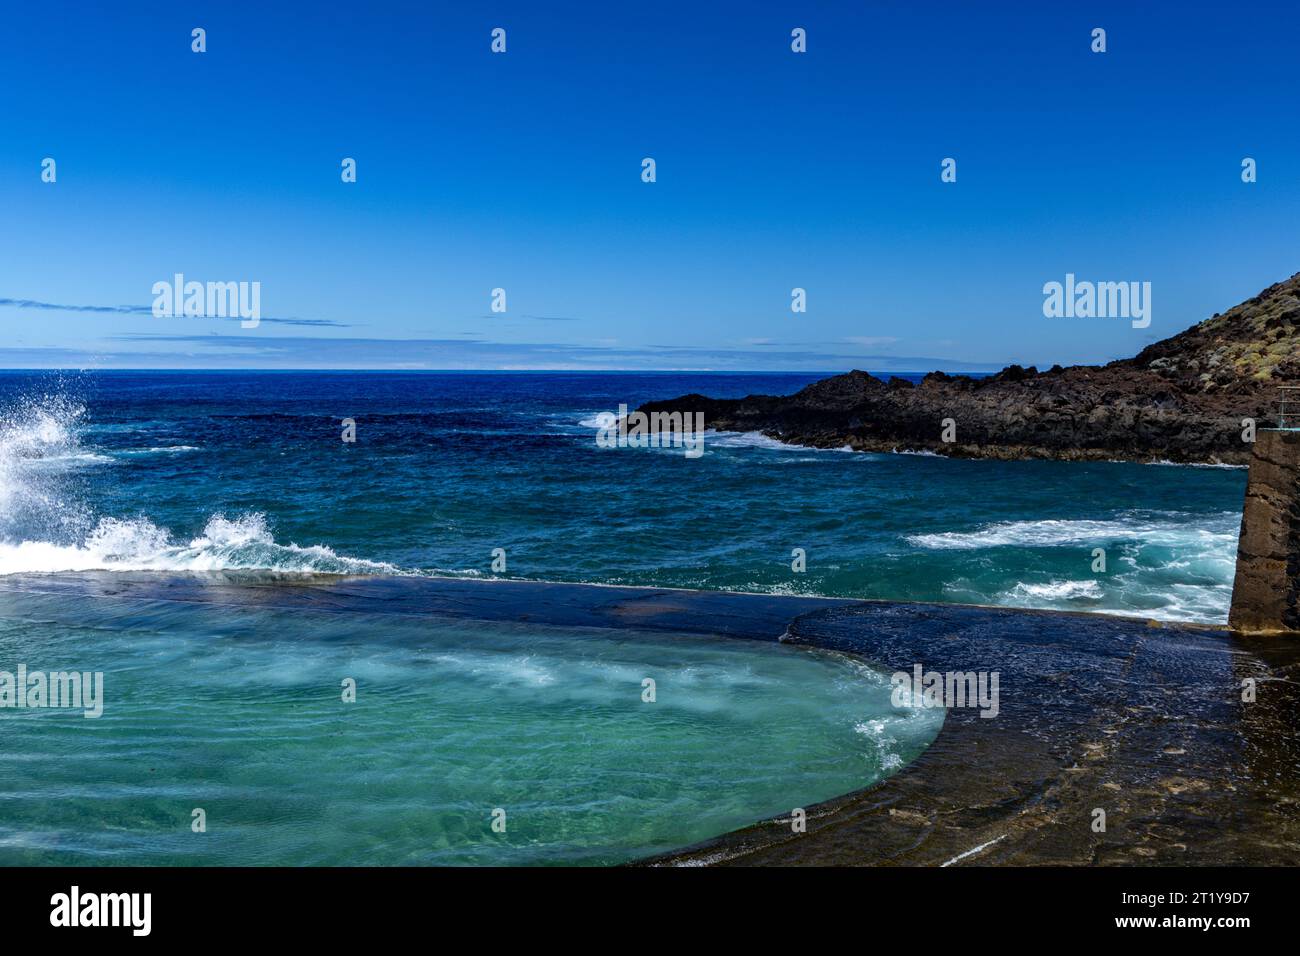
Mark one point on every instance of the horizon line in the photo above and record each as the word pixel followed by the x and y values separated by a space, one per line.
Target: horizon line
pixel 501 371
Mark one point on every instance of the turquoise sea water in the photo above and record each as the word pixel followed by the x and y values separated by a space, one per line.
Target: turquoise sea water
pixel 236 709
pixel 198 471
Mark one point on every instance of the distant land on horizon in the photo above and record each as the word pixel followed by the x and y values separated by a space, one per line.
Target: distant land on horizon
pixel 916 373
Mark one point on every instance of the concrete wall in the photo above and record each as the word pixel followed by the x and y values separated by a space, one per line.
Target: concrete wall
pixel 1265 592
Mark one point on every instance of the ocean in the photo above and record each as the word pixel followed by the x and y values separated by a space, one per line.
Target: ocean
pixel 181 533
pixel 219 470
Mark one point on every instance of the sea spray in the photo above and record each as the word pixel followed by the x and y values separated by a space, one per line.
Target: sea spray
pixel 38 442
pixel 46 526
pixel 226 544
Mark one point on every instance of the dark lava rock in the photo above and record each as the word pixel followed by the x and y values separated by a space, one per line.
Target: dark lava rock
pixel 1181 399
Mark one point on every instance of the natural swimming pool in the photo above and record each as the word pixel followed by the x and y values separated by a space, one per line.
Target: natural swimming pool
pixel 238 710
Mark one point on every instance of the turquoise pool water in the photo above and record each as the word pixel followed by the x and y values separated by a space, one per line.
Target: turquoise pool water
pixel 238 711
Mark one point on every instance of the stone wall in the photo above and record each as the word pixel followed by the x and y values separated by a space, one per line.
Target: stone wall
pixel 1265 592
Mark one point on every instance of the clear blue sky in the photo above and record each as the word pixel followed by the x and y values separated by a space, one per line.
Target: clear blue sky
pixel 522 171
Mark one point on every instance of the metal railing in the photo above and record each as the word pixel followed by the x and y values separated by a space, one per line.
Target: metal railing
pixel 1288 395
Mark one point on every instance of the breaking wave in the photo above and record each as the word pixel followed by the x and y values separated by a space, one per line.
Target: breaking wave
pixel 759 440
pixel 137 544
pixel 1164 529
pixel 1163 566
pixel 44 529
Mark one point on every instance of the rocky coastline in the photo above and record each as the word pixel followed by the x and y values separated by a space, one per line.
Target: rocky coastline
pixel 1182 399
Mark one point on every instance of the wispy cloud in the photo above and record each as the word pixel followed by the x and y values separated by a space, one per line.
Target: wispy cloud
pixel 53 306
pixel 148 310
pixel 160 350
pixel 870 341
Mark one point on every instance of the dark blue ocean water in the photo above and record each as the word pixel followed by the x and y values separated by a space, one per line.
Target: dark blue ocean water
pixel 210 470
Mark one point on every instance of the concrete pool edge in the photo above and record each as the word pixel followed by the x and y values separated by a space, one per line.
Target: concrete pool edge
pixel 1138 720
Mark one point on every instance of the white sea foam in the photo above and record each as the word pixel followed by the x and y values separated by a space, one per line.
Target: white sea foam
pixel 1196 464
pixel 882 732
pixel 876 730
pixel 1163 565
pixel 69 460
pixel 43 530
pixel 1149 595
pixel 745 440
pixel 242 543
pixel 160 450
pixel 1058 590
pixel 1166 529
pixel 759 440
pixel 721 439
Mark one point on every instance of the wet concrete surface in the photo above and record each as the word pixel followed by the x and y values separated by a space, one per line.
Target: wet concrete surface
pixel 1144 722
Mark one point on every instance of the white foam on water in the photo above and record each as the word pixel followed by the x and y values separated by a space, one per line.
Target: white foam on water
pixel 43 530
pixel 160 450
pixel 876 730
pixel 61 462
pixel 725 439
pixel 1196 464
pixel 1153 592
pixel 759 440
pixel 1057 590
pixel 137 544
pixel 1167 529
pixel 1170 566
pixel 744 440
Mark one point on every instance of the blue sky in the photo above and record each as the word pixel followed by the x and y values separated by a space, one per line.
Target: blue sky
pixel 522 171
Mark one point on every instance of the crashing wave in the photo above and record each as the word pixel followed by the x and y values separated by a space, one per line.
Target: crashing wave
pixel 1167 530
pixel 41 530
pixel 243 543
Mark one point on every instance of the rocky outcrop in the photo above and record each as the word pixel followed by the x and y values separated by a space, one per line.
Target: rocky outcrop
pixel 1182 399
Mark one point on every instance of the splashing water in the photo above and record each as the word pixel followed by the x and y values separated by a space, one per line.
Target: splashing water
pixel 138 544
pixel 44 528
pixel 37 442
